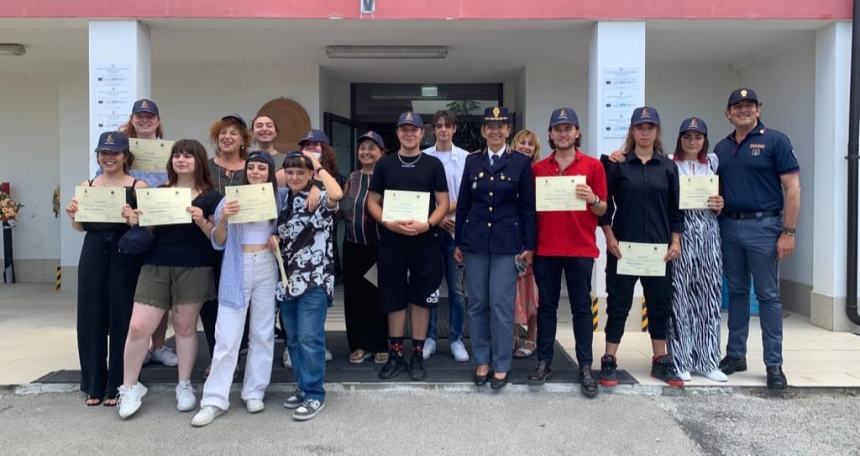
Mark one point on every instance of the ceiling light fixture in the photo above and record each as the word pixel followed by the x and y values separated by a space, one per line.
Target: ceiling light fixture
pixel 12 49
pixel 386 52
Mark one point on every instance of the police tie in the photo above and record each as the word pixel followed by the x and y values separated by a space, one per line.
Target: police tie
pixel 493 158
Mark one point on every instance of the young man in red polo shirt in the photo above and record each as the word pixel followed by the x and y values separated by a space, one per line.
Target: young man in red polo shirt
pixel 566 242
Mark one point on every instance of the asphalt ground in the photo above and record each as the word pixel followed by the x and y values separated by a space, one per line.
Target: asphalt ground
pixel 411 421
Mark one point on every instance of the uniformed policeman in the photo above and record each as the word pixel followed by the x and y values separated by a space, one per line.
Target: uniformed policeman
pixel 760 183
pixel 495 236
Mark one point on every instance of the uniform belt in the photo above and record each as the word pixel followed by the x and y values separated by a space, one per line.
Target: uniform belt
pixel 752 215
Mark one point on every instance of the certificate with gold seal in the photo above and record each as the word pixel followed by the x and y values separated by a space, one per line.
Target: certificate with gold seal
pixel 256 202
pixel 150 154
pixel 642 259
pixel 558 193
pixel 164 206
pixel 402 205
pixel 100 204
pixel 695 191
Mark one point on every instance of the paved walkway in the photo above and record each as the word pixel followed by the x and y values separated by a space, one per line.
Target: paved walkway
pixel 37 333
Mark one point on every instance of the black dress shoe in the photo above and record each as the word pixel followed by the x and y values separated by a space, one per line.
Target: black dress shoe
pixel 729 365
pixel 541 374
pixel 496 383
pixel 481 380
pixel 588 385
pixel 776 378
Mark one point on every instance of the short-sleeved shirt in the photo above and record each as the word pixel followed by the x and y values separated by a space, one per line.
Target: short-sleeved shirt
pixel 361 228
pixel 454 162
pixel 423 173
pixel 185 244
pixel 570 233
pixel 307 246
pixel 750 171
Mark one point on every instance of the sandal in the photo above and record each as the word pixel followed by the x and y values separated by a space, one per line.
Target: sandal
pixel 110 401
pixel 359 356
pixel 526 349
pixel 93 401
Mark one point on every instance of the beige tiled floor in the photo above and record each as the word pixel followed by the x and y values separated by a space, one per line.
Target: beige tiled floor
pixel 37 335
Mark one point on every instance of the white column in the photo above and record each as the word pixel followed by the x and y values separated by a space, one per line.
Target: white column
pixel 832 63
pixel 614 46
pixel 119 74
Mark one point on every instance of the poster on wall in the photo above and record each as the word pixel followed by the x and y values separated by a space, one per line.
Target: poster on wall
pixel 622 93
pixel 114 95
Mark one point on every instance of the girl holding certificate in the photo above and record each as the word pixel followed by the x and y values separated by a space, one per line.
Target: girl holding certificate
pixel 304 238
pixel 145 123
pixel 249 273
pixel 106 279
pixel 643 194
pixel 177 275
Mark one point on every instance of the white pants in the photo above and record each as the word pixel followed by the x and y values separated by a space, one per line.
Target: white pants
pixel 260 276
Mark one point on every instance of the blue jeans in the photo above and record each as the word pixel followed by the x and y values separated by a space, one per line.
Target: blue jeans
pixel 577 274
pixel 456 293
pixel 492 283
pixel 749 247
pixel 304 322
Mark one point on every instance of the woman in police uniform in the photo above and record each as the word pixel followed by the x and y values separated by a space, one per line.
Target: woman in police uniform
pixel 495 235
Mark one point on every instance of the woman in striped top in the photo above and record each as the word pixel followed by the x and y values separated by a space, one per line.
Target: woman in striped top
pixel 366 325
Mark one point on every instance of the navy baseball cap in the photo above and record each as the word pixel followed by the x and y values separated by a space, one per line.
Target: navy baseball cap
pixel 136 241
pixel 410 118
pixel 113 141
pixel 644 114
pixel 693 124
pixel 145 105
pixel 740 95
pixel 315 136
pixel 261 156
pixel 373 136
pixel 237 118
pixel 563 116
pixel 496 115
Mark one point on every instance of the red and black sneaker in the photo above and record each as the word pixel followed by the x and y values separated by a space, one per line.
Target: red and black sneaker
pixel 662 368
pixel 608 378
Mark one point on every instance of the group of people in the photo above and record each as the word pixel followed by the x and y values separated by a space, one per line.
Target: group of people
pixel 502 259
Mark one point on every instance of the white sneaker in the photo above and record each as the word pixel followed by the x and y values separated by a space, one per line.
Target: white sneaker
pixel 164 356
pixel 429 348
pixel 308 410
pixel 716 375
pixel 130 399
pixel 205 416
pixel 328 356
pixel 186 401
pixel 458 350
pixel 254 405
pixel 288 363
pixel 684 375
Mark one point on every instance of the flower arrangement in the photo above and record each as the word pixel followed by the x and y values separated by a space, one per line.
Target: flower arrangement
pixel 9 208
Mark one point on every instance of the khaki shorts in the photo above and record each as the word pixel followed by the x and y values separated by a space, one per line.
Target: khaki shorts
pixel 168 286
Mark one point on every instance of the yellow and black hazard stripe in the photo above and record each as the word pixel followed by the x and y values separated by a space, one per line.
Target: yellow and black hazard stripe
pixel 644 323
pixel 59 281
pixel 594 317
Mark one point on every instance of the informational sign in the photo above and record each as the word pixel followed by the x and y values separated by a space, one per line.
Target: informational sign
pixel 622 90
pixel 114 95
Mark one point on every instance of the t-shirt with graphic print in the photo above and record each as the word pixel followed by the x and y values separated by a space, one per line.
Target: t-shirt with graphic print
pixel 307 247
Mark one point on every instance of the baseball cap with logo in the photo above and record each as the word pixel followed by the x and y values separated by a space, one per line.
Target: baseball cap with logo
pixel 112 141
pixel 739 95
pixel 145 105
pixel 563 116
pixel 693 124
pixel 410 118
pixel 644 114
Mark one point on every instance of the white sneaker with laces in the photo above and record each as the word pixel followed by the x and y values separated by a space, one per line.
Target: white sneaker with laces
pixel 716 375
pixel 458 350
pixel 684 375
pixel 254 405
pixel 130 399
pixel 288 363
pixel 186 401
pixel 429 348
pixel 205 416
pixel 164 356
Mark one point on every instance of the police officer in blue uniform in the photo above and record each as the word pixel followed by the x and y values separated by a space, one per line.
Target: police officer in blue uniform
pixel 760 183
pixel 496 237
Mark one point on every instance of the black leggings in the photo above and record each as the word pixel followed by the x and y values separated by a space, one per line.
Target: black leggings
pixel 106 284
pixel 619 299
pixel 366 325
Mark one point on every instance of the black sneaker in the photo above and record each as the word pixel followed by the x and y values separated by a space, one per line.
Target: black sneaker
pixel 541 374
pixel 395 366
pixel 776 378
pixel 662 368
pixel 416 367
pixel 588 385
pixel 729 365
pixel 608 378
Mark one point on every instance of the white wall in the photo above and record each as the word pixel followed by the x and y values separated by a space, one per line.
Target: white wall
pixel 29 160
pixel 785 84
pixel 552 86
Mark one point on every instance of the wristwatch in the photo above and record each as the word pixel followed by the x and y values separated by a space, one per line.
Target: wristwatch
pixel 789 231
pixel 596 202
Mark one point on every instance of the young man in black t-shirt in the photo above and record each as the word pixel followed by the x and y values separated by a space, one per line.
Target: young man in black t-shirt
pixel 409 266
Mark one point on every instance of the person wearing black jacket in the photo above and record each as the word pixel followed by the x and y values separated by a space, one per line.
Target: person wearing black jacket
pixel 643 194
